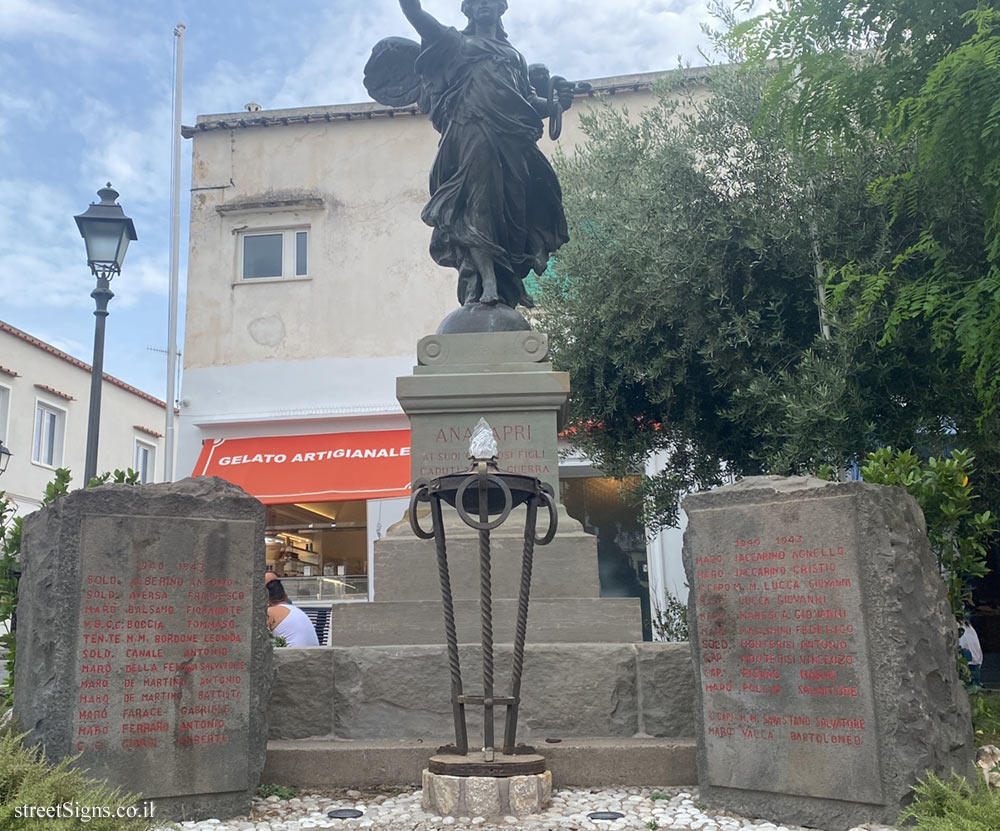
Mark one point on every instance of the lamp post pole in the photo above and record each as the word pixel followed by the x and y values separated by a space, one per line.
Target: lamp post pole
pixel 102 296
pixel 107 232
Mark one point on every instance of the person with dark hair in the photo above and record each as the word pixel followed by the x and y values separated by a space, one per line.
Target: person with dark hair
pixel 496 205
pixel 285 621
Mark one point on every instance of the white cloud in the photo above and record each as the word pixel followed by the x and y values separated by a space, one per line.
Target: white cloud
pixel 140 280
pixel 43 261
pixel 331 71
pixel 576 38
pixel 15 107
pixel 135 159
pixel 581 39
pixel 83 351
pixel 34 19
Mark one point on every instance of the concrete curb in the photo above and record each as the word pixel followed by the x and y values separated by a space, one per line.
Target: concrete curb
pixel 333 763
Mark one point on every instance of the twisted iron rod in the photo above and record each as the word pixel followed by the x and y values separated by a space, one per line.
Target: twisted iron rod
pixel 521 627
pixel 451 634
pixel 486 615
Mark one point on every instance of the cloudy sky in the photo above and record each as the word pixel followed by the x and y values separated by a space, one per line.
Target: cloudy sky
pixel 85 98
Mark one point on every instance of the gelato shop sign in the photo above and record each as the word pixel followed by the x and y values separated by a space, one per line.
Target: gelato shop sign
pixel 322 455
pixel 326 467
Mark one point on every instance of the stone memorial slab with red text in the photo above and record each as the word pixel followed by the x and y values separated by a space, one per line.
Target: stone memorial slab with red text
pixel 164 644
pixel 793 584
pixel 145 648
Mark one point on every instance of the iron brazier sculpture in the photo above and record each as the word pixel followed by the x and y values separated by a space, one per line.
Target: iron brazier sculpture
pixel 484 498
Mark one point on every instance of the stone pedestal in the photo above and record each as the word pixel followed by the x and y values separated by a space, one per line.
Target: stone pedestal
pixel 566 605
pixel 505 378
pixel 486 796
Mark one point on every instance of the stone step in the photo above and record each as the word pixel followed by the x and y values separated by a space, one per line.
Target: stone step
pixel 406 568
pixel 373 693
pixel 333 763
pixel 555 620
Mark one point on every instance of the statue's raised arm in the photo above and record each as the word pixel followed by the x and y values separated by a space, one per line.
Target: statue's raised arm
pixel 426 25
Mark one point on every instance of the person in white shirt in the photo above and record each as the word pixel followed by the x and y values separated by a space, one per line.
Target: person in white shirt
pixel 285 621
pixel 968 642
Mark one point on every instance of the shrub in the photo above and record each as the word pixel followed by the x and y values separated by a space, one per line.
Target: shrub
pixel 945 494
pixel 954 805
pixel 280 791
pixel 27 779
pixel 670 621
pixel 10 548
pixel 986 717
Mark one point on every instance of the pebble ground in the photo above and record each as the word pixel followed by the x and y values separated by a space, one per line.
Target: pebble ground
pixel 675 809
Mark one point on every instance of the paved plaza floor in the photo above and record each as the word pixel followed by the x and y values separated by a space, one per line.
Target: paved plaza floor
pixel 642 808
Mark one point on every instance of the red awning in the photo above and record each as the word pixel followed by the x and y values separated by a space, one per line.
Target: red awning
pixel 331 467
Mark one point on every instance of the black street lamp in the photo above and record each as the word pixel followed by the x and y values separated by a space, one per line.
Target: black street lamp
pixel 107 232
pixel 5 455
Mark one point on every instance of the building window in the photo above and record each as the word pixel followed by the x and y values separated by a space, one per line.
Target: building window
pixel 145 461
pixel 274 254
pixel 50 427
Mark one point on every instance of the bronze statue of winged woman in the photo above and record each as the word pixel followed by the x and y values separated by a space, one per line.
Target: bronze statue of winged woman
pixel 495 204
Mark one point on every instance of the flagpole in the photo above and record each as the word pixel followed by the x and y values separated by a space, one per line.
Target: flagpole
pixel 175 241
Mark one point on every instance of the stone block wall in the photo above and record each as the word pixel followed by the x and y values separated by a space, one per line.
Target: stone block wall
pixel 569 691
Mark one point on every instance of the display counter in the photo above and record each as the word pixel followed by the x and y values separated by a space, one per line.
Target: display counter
pixel 310 590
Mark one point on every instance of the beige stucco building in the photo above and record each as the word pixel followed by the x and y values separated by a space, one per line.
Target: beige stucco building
pixel 309 285
pixel 44 409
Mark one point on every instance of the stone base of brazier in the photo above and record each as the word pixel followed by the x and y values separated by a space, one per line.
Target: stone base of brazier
pixel 486 796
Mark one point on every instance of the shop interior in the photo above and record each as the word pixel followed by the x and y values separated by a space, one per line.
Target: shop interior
pixel 602 508
pixel 319 549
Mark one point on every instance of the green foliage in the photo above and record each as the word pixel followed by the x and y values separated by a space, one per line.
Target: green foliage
pixel 924 76
pixel 986 717
pixel 656 795
pixel 955 805
pixel 10 544
pixel 26 779
pixel 943 489
pixel 670 620
pixel 280 791
pixel 119 477
pixel 10 547
pixel 688 304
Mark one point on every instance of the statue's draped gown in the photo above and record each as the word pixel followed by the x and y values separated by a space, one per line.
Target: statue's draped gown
pixel 491 187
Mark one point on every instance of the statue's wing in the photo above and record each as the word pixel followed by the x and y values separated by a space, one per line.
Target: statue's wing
pixel 389 74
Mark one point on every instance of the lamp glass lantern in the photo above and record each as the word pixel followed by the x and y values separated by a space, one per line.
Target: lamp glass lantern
pixel 106 231
pixel 5 455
